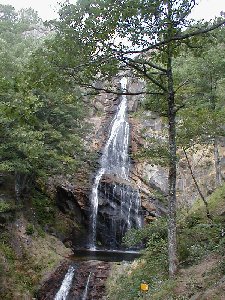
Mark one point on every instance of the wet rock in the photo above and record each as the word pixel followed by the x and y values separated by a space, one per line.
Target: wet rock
pixel 51 285
pixel 96 271
pixel 118 210
pixel 74 202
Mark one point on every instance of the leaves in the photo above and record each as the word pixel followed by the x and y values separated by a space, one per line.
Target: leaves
pixel 42 113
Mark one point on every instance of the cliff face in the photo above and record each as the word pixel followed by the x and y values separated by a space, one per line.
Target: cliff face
pixel 148 175
pixel 201 159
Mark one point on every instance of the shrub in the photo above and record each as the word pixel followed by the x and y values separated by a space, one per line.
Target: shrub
pixel 30 229
pixel 4 206
pixel 44 209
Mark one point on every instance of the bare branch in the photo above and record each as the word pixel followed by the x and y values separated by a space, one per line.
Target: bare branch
pixel 197 186
pixel 181 85
pixel 143 72
pixel 148 63
pixel 115 92
pixel 176 38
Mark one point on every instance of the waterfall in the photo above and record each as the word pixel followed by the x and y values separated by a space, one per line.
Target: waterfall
pixel 86 287
pixel 115 161
pixel 66 284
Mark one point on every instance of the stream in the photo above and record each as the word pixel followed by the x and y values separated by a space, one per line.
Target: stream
pixel 83 276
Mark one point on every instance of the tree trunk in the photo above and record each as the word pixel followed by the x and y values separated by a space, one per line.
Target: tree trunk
pixel 217 163
pixel 172 227
pixel 172 234
pixel 215 140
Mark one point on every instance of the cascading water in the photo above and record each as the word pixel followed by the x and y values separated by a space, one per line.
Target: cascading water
pixel 84 297
pixel 115 162
pixel 66 284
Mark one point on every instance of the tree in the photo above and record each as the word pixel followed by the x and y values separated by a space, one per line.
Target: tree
pixel 42 122
pixel 141 35
pixel 204 77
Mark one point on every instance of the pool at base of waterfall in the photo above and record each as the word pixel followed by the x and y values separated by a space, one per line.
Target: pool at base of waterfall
pixel 104 255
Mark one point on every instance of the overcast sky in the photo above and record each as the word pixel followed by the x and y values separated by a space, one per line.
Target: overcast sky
pixel 47 9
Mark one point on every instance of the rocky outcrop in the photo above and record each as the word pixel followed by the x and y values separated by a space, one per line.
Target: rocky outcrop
pixel 74 202
pixel 148 127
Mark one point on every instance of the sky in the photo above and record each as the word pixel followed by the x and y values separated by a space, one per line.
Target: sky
pixel 47 9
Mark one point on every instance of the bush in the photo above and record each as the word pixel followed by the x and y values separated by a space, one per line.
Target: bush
pixel 44 209
pixel 196 242
pixel 154 230
pixel 30 229
pixel 4 207
pixel 197 238
pixel 152 267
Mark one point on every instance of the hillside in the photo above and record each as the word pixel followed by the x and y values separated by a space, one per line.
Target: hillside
pixel 202 265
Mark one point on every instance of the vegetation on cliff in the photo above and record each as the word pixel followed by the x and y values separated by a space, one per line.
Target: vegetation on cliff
pixel 42 134
pixel 27 256
pixel 201 255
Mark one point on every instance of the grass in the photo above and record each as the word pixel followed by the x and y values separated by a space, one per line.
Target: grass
pixel 7 206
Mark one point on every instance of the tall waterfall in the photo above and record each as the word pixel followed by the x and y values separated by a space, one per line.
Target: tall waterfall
pixel 115 161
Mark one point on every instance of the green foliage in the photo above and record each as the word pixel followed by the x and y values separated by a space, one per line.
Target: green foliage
pixel 43 136
pixel 199 126
pixel 155 237
pixel 216 207
pixel 203 82
pixel 152 267
pixel 44 209
pixel 156 230
pixel 157 151
pixel 30 229
pixel 198 241
pixel 42 113
pixel 8 252
pixel 4 206
pixel 22 266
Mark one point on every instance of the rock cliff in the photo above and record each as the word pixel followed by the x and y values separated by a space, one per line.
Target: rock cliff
pixel 149 176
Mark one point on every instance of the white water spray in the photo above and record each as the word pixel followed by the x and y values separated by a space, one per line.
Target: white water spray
pixel 66 285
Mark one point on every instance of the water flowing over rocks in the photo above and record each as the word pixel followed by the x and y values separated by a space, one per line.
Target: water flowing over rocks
pixel 120 197
pixel 93 273
pixel 118 210
pixel 123 211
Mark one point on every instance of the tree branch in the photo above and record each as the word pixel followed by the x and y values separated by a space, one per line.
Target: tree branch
pixel 143 72
pixel 197 186
pixel 176 38
pixel 150 64
pixel 111 91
